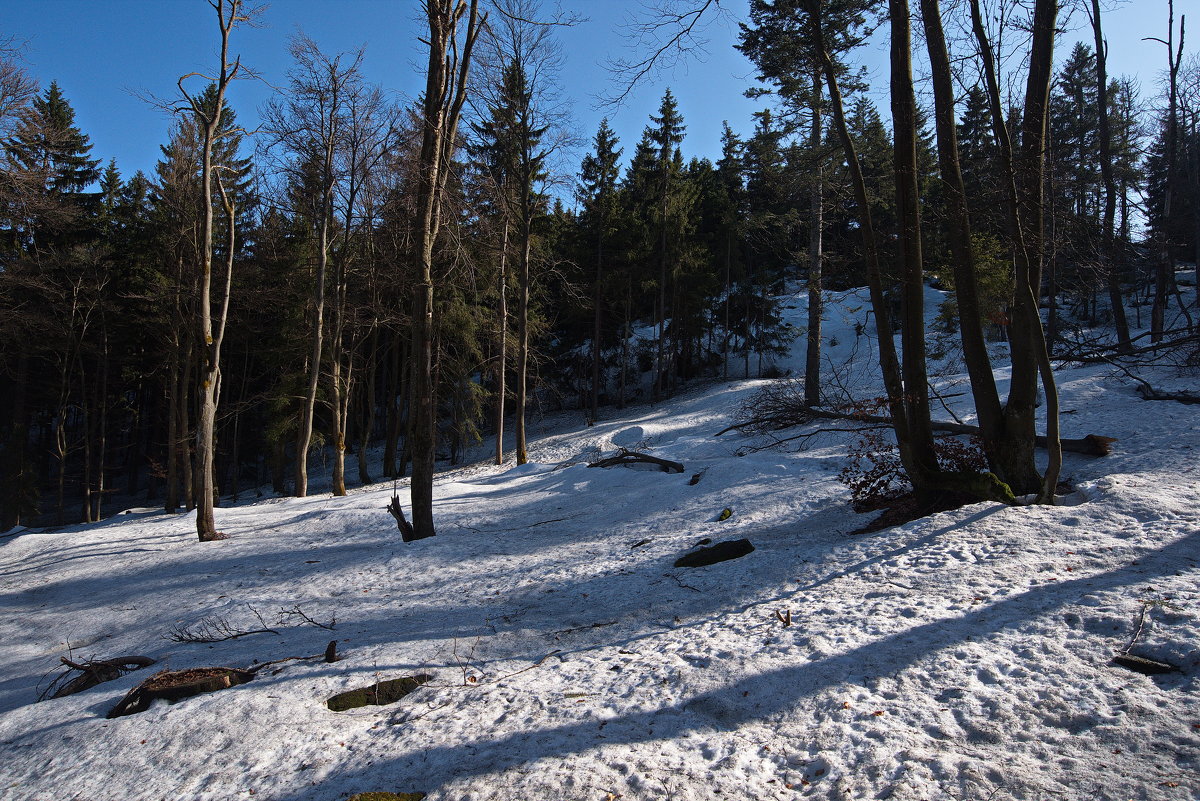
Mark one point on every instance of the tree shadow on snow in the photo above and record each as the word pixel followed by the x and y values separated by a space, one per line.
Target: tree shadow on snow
pixel 754 698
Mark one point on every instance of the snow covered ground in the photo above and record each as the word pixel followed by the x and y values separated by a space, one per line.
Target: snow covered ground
pixel 962 656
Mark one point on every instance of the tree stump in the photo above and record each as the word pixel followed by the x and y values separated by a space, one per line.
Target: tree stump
pixel 176 685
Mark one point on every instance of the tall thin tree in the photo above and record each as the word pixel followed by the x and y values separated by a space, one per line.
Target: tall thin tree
pixel 230 14
pixel 451 43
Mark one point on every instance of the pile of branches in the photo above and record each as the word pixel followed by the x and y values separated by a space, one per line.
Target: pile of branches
pixel 1179 348
pixel 781 406
pixel 777 406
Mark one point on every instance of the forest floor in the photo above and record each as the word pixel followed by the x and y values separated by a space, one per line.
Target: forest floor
pixel 966 655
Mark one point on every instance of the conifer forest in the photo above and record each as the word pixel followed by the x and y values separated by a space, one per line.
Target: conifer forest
pixel 432 444
pixel 418 276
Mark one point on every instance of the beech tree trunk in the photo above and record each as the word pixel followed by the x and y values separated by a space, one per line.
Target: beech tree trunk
pixel 812 355
pixel 445 93
pixel 1022 177
pixel 966 290
pixel 1108 250
pixel 212 326
pixel 889 362
pixel 501 344
pixel 523 342
pixel 923 459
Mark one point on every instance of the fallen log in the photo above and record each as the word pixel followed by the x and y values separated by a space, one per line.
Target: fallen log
pixel 635 457
pixel 1091 445
pixel 1150 393
pixel 176 685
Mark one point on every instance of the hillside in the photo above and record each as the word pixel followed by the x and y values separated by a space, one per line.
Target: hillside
pixel 967 655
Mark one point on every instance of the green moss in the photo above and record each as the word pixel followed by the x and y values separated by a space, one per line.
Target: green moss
pixel 380 693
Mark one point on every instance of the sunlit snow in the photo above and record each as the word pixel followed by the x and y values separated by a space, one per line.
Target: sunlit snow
pixel 962 656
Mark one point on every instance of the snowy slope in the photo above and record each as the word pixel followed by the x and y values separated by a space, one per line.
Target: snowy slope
pixel 963 656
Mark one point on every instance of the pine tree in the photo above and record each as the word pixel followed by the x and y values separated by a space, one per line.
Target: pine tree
pixel 52 276
pixel 597 193
pixel 50 164
pixel 178 201
pixel 665 134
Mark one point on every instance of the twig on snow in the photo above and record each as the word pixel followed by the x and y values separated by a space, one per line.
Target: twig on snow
pixel 296 611
pixel 216 629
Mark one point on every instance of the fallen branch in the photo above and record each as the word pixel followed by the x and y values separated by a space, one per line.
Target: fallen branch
pixel 635 457
pixel 91 673
pixel 1091 445
pixel 216 629
pixel 296 611
pixel 1107 354
pixel 587 627
pixel 329 655
pixel 1150 393
pixel 682 583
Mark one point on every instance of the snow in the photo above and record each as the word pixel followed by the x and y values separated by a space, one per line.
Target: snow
pixel 962 656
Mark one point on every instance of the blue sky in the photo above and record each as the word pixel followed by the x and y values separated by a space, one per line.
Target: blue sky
pixel 103 53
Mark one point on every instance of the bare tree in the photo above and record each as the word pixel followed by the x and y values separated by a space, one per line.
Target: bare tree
pixel 308 126
pixel 527 124
pixel 450 46
pixel 1022 171
pixel 230 14
pixel 1108 234
pixel 1164 273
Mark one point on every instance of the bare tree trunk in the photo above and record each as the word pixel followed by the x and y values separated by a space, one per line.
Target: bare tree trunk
pixel 501 344
pixel 304 435
pixel 979 367
pixel 394 392
pixel 1024 185
pixel 85 411
pixel 102 431
pixel 341 416
pixel 368 416
pixel 212 328
pixel 812 355
pixel 1112 275
pixel 171 502
pixel 523 342
pixel 1164 273
pixel 184 445
pixel 888 361
pixel 445 92
pixel 923 460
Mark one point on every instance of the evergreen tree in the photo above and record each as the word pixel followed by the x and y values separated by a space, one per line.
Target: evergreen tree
pixel 597 193
pixel 49 161
pixel 665 134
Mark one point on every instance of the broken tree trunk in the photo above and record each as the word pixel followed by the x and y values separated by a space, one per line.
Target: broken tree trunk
pixel 634 457
pixel 406 529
